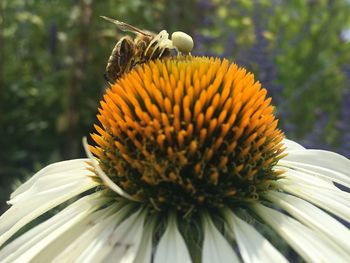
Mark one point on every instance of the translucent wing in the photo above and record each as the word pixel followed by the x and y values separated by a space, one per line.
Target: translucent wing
pixel 126 27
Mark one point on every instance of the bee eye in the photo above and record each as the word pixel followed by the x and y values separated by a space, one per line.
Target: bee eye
pixel 182 41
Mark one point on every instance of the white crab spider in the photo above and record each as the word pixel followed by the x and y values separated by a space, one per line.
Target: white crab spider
pixel 180 41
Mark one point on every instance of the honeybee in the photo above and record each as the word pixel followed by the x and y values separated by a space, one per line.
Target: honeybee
pixel 128 52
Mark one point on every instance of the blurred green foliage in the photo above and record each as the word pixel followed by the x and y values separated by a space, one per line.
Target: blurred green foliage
pixel 53 54
pixel 310 57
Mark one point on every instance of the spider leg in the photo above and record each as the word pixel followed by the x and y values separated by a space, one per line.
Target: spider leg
pixel 163 35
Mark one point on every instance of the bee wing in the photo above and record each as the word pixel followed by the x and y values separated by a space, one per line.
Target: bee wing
pixel 126 27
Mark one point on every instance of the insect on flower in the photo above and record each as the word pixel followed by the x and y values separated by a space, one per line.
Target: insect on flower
pixel 129 52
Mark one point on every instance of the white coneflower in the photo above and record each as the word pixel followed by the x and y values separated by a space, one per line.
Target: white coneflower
pixel 188 161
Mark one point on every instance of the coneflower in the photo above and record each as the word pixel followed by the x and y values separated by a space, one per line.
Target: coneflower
pixel 187 159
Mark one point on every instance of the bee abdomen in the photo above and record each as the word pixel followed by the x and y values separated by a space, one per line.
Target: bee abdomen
pixel 120 60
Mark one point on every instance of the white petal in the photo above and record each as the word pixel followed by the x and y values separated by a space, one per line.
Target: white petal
pixel 216 249
pixel 320 158
pixel 125 240
pixel 254 248
pixel 59 167
pixel 47 190
pixel 332 200
pixel 27 246
pixel 313 217
pixel 92 235
pixel 307 178
pixel 309 244
pixel 93 238
pixel 56 247
pixel 324 163
pixel 144 254
pixel 172 247
pixel 292 145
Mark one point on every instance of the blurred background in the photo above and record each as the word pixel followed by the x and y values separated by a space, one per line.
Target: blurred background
pixel 53 55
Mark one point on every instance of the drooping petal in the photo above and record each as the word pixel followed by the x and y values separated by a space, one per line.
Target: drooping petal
pixel 95 239
pixel 324 164
pixel 144 254
pixel 253 247
pixel 313 217
pixel 312 246
pixel 55 248
pixel 93 235
pixel 125 240
pixel 172 247
pixel 216 249
pixel 30 244
pixel 49 188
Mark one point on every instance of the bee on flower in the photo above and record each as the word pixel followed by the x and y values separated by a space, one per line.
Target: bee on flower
pixel 186 156
pixel 129 52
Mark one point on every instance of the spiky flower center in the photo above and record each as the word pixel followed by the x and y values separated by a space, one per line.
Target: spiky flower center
pixel 188 132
